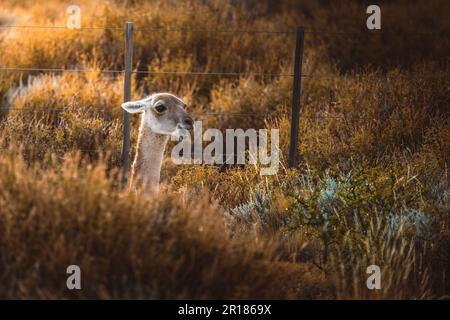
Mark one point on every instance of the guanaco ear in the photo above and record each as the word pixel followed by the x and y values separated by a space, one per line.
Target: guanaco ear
pixel 137 106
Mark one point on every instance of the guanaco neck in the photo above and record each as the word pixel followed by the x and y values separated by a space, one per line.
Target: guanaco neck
pixel 146 168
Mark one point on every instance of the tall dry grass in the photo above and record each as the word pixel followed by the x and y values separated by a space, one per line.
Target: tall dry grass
pixel 127 244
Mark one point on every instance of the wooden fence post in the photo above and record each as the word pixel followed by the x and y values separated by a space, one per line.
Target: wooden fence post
pixel 126 98
pixel 296 94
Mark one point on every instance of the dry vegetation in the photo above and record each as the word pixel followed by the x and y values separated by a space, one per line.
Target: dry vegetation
pixel 371 187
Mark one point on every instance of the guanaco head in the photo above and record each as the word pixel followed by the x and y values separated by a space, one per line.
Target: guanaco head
pixel 164 113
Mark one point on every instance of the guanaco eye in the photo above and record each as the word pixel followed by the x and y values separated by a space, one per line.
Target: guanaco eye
pixel 160 108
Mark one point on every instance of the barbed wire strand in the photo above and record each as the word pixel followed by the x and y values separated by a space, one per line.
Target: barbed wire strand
pixel 206 114
pixel 167 154
pixel 200 73
pixel 233 74
pixel 308 30
pixel 58 27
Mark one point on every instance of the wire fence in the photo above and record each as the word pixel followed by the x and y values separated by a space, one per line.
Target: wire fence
pixel 297 75
pixel 190 30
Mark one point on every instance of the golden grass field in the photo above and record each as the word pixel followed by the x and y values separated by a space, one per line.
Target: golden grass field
pixel 371 186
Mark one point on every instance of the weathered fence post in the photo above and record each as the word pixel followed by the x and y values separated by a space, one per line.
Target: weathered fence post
pixel 127 97
pixel 296 94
